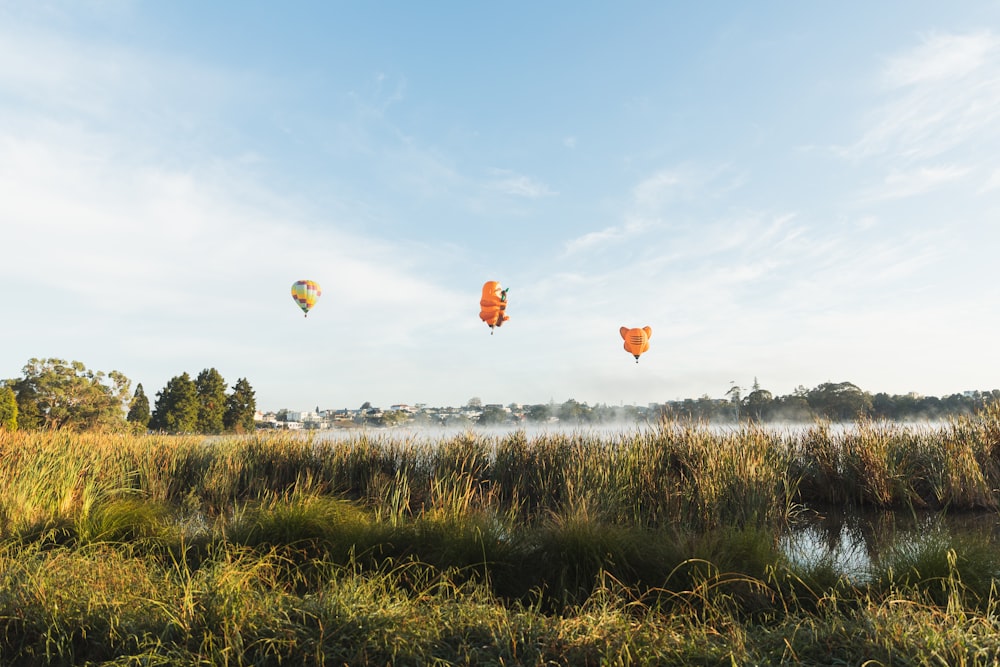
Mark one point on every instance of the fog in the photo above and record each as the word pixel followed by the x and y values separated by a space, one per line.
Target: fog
pixel 603 431
pixel 411 433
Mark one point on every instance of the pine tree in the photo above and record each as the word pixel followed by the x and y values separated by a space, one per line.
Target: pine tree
pixel 138 410
pixel 211 401
pixel 176 408
pixel 240 408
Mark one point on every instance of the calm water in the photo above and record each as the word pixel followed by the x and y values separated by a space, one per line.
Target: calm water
pixel 432 434
pixel 853 542
pixel 409 433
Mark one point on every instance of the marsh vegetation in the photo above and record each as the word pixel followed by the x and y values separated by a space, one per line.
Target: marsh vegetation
pixel 666 545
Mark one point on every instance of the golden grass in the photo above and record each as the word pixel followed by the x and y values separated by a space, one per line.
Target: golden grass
pixel 650 547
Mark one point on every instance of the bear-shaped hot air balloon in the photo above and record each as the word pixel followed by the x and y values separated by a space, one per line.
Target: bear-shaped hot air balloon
pixel 493 305
pixel 636 340
pixel 305 293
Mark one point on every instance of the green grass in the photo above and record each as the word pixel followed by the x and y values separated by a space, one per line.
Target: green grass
pixel 646 548
pixel 105 605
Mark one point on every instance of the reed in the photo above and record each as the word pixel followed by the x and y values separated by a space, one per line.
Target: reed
pixel 675 474
pixel 886 465
pixel 113 604
pixel 647 547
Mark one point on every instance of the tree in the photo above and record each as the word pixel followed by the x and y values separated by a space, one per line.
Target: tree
pixel 29 415
pixel 475 402
pixel 241 406
pixel 8 409
pixel 138 410
pixel 572 411
pixel 758 403
pixel 394 417
pixel 492 414
pixel 57 394
pixel 538 413
pixel 884 406
pixel 176 408
pixel 734 396
pixel 839 401
pixel 793 407
pixel 211 390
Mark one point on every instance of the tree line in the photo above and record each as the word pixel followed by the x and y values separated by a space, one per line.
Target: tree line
pixel 56 394
pixel 53 394
pixel 835 401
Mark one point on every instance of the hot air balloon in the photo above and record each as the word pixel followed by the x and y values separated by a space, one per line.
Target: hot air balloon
pixel 493 305
pixel 305 293
pixel 636 340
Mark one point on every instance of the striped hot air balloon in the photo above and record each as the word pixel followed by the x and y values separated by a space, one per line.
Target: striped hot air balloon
pixel 636 340
pixel 305 293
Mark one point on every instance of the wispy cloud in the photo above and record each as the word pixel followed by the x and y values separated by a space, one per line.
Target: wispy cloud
pixel 159 192
pixel 899 184
pixel 648 204
pixel 941 58
pixel 111 223
pixel 654 191
pixel 604 237
pixel 992 181
pixel 518 185
pixel 941 95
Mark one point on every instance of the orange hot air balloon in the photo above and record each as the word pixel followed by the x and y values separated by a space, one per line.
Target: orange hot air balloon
pixel 636 340
pixel 493 305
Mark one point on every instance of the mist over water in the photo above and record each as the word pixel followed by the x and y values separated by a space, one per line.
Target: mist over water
pixel 608 431
pixel 432 434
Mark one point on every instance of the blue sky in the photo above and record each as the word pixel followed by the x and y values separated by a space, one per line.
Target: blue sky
pixel 793 192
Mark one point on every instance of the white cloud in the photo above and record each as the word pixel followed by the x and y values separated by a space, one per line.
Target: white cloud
pixel 125 90
pixel 899 184
pixel 654 191
pixel 601 239
pixel 943 95
pixel 992 182
pixel 518 185
pixel 195 245
pixel 941 58
pixel 152 217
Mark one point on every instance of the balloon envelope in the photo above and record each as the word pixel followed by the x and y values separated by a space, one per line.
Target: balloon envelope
pixel 493 304
pixel 636 340
pixel 305 293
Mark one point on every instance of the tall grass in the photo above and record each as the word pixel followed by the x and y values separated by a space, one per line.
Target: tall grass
pixel 113 605
pixel 889 465
pixel 674 475
pixel 657 546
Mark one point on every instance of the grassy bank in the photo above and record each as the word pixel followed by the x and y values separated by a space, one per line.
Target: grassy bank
pixel 653 547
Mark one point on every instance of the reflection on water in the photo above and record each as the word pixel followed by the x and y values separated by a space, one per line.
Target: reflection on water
pixel 853 542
